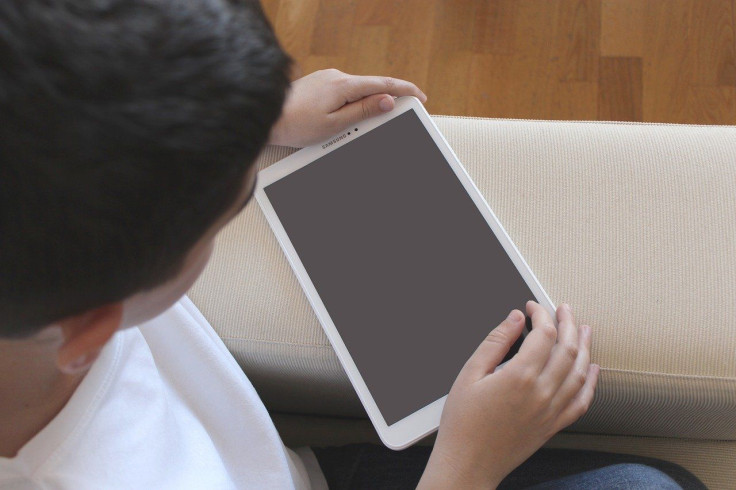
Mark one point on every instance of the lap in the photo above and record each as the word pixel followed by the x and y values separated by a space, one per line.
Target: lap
pixel 377 467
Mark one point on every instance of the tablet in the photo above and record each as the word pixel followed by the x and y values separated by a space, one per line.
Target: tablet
pixel 401 258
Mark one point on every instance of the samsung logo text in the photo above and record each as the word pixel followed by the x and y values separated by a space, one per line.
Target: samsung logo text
pixel 334 140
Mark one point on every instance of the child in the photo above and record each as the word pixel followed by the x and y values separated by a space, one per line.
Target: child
pixel 128 132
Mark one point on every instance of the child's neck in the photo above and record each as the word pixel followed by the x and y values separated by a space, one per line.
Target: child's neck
pixel 32 389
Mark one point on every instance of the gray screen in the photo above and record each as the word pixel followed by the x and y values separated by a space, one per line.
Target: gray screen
pixel 410 272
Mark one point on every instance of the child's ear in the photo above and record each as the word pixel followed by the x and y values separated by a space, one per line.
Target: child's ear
pixel 85 335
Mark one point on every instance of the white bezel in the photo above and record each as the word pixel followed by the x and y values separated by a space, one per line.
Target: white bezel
pixel 426 420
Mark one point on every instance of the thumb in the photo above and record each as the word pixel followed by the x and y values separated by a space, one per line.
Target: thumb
pixel 495 346
pixel 363 109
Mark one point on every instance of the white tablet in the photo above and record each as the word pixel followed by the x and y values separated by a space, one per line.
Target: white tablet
pixel 403 261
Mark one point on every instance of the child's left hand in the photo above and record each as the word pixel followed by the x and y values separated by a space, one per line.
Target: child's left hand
pixel 326 101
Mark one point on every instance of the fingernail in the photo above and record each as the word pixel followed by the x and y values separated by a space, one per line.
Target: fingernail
pixel 514 316
pixel 385 104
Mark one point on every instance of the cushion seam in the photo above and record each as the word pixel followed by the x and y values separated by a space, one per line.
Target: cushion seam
pixel 670 375
pixel 604 369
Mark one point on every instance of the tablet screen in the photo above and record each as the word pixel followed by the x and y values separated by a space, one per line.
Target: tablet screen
pixel 408 269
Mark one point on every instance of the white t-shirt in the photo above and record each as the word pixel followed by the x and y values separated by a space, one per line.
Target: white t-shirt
pixel 164 406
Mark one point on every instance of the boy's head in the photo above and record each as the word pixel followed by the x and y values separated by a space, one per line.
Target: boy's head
pixel 127 133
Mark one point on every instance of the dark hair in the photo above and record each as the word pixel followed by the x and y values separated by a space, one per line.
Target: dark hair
pixel 126 130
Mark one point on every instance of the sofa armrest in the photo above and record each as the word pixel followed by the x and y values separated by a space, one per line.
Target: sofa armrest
pixel 632 224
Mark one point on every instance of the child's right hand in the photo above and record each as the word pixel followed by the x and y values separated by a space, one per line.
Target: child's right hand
pixel 493 421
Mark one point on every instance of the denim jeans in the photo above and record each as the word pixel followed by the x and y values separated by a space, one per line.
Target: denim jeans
pixel 369 466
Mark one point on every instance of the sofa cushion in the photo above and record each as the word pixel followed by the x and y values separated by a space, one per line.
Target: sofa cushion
pixel 632 224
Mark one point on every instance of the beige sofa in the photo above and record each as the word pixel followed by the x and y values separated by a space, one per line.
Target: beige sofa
pixel 632 224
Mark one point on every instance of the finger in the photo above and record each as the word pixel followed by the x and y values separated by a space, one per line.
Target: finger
pixel 577 376
pixel 356 87
pixel 536 349
pixel 565 351
pixel 494 347
pixel 579 405
pixel 364 108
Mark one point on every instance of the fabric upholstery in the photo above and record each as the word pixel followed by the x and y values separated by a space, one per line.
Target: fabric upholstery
pixel 632 224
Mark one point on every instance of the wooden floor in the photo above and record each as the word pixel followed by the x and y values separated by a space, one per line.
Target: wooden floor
pixel 627 60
